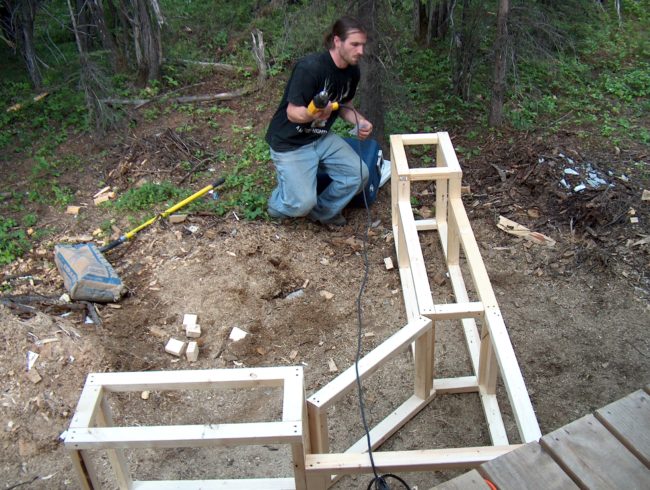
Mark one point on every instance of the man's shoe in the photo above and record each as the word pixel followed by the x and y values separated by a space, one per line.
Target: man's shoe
pixel 337 220
pixel 276 214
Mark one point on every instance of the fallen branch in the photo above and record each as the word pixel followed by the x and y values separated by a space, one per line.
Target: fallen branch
pixel 181 100
pixel 22 302
pixel 221 67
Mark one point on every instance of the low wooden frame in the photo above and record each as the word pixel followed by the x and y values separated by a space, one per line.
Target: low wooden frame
pixel 304 423
pixel 92 427
pixel 490 350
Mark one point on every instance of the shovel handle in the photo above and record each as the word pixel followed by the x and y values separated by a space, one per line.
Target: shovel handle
pixel 166 213
pixel 113 244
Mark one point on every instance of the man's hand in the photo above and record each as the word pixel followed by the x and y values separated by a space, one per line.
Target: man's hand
pixel 365 128
pixel 300 114
pixel 325 112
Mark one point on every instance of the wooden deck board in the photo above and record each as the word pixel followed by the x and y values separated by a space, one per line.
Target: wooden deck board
pixel 528 467
pixel 593 457
pixel 609 449
pixel 629 420
pixel 471 480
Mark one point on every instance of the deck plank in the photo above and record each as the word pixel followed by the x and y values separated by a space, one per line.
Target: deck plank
pixel 593 457
pixel 471 480
pixel 629 420
pixel 528 467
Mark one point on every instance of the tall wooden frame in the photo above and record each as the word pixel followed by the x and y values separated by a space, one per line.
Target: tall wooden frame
pixel 92 427
pixel 304 423
pixel 490 350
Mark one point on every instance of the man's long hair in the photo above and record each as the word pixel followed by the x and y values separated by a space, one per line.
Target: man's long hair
pixel 342 28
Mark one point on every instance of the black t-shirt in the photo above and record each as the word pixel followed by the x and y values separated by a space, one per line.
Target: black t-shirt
pixel 311 75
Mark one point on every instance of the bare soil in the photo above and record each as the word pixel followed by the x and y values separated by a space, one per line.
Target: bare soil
pixel 577 313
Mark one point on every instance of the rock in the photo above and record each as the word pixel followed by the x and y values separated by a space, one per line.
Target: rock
pixel 296 294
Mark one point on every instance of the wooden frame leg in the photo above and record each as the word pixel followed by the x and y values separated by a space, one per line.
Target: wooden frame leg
pixel 423 354
pixel 85 471
pixel 115 456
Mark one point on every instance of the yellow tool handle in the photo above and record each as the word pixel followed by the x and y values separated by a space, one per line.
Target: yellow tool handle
pixel 313 109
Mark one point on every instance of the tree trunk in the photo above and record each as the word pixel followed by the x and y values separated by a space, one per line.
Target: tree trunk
pixel 372 102
pixel 438 19
pixel 122 25
pixel 466 46
pixel 27 12
pixel 500 50
pixel 82 22
pixel 148 46
pixel 419 20
pixel 96 10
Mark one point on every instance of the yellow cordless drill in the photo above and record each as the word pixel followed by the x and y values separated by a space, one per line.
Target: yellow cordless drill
pixel 320 102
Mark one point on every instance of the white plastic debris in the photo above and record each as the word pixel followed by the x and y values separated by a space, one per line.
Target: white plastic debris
pixel 31 359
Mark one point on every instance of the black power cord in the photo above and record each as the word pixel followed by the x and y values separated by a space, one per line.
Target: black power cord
pixel 379 481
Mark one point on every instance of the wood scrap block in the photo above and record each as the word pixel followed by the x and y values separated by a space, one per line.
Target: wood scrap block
pixel 175 347
pixel 388 262
pixel 192 351
pixel 72 210
pixel 100 199
pixel 177 218
pixel 189 319
pixel 193 331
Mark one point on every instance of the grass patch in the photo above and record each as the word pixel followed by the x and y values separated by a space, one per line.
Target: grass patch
pixel 13 241
pixel 250 181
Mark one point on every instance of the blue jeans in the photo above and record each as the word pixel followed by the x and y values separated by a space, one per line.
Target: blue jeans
pixel 295 194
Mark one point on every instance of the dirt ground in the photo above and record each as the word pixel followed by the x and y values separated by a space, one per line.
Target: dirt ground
pixel 577 313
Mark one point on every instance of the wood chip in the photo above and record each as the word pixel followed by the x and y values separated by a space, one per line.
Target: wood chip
pixel 326 294
pixel 157 332
pixel 293 354
pixel 102 191
pixel 33 376
pixel 332 366
pixel 645 196
pixel 533 213
pixel 74 210
pixel 439 279
pixel 388 262
pixel 516 229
